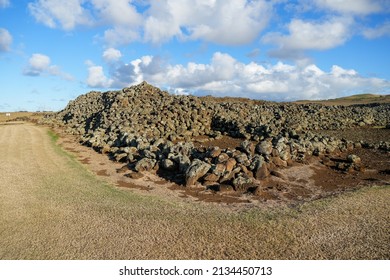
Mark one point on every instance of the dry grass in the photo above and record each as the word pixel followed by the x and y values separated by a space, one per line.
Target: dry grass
pixel 350 100
pixel 53 208
pixel 19 116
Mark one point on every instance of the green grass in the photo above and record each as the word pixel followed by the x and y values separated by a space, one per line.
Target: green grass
pixel 53 136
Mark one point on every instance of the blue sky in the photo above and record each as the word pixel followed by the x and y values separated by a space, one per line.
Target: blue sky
pixel 51 51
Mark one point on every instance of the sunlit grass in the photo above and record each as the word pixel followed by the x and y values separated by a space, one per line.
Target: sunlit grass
pixel 60 210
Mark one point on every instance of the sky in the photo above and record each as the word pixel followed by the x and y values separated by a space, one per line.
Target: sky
pixel 51 51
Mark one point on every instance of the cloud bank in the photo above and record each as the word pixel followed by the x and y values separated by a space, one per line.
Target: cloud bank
pixel 231 22
pixel 310 35
pixel 226 76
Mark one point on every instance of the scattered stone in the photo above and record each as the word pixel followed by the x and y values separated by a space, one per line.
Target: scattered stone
pixel 211 177
pixel 145 164
pixel 242 183
pixel 354 159
pixel 149 129
pixel 168 164
pixel 230 164
pixel 222 158
pixel 247 147
pixel 264 148
pixel 262 172
pixel 135 175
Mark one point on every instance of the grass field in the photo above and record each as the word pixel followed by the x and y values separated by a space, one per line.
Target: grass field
pixel 19 116
pixel 52 207
pixel 366 98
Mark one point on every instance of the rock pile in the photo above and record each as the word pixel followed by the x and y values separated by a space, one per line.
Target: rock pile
pixel 152 130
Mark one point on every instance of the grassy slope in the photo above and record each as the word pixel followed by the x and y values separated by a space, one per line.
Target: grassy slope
pixel 350 100
pixel 53 208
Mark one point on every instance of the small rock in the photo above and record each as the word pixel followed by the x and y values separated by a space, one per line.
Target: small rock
pixel 354 159
pixel 242 183
pixel 222 158
pixel 145 164
pixel 215 152
pixel 264 148
pixel 168 164
pixel 211 177
pixel 230 164
pixel 262 172
pixel 219 169
pixel 135 175
pixel 278 174
pixel 279 162
pixel 247 147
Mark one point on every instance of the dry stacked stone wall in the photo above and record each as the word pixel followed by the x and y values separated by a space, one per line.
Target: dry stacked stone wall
pixel 152 130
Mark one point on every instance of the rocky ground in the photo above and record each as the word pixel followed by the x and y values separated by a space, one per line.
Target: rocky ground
pixel 234 147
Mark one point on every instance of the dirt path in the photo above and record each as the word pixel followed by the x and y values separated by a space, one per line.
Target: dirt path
pixel 52 207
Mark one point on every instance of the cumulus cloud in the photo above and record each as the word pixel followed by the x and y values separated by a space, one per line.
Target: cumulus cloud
pixel 123 19
pixel 5 40
pixel 4 3
pixel 225 76
pixel 97 78
pixel 230 22
pixel 111 55
pixel 57 13
pixel 307 35
pixel 40 64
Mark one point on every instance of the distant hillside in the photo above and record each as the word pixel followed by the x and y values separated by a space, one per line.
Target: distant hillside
pixel 365 98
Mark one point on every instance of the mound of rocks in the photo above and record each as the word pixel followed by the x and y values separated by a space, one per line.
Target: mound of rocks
pixel 154 131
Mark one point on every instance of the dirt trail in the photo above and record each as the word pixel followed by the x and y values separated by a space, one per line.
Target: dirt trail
pixel 52 207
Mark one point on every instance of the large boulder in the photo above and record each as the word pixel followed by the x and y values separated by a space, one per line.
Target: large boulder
pixel 264 148
pixel 196 170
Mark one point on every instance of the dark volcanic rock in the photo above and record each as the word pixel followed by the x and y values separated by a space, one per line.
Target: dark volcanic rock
pixel 150 129
pixel 196 170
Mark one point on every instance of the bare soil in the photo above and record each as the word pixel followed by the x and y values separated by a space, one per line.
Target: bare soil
pixel 300 182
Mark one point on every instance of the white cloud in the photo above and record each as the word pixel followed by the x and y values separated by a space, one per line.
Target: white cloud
pixel 4 3
pixel 379 31
pixel 305 35
pixel 123 19
pixel 230 22
pixel 358 7
pixel 57 13
pixel 117 12
pixel 120 35
pixel 97 78
pixel 5 40
pixel 40 64
pixel 111 55
pixel 225 76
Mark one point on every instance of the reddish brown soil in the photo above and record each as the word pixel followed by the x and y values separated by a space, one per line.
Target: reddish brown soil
pixel 294 184
pixel 313 180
